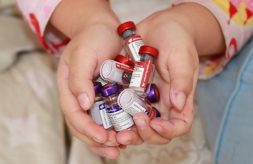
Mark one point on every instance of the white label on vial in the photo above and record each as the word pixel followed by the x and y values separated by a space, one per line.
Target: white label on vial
pixel 104 116
pixel 120 120
pixel 95 114
pixel 134 43
pixel 137 76
pixel 124 67
pixel 135 108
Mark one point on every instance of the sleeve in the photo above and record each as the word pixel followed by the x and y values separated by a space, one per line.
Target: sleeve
pixel 37 14
pixel 236 21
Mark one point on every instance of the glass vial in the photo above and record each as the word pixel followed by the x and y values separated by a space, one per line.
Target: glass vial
pixel 114 72
pixel 133 42
pixel 144 69
pixel 120 119
pixel 132 103
pixel 98 110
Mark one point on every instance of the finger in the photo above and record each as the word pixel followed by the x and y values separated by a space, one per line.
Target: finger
pixel 146 132
pixel 86 126
pixel 182 66
pixel 175 127
pixel 112 141
pixel 129 137
pixel 80 120
pixel 108 152
pixel 171 129
pixel 82 67
pixel 100 149
pixel 165 103
pixel 82 137
pixel 85 59
pixel 180 122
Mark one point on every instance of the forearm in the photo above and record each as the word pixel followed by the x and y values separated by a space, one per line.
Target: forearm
pixel 203 27
pixel 71 16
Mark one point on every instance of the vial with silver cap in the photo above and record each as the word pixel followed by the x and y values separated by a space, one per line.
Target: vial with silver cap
pixel 130 102
pixel 120 119
pixel 144 69
pixel 133 42
pixel 117 72
pixel 98 110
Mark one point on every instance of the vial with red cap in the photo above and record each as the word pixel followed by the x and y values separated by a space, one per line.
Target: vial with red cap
pixel 130 102
pixel 120 119
pixel 133 42
pixel 126 76
pixel 144 69
pixel 98 110
pixel 119 71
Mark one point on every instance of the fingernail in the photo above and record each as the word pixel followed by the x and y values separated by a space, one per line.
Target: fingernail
pixel 84 101
pixel 156 127
pixel 178 99
pixel 141 123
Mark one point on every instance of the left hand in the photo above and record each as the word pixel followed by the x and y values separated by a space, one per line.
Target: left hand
pixel 177 72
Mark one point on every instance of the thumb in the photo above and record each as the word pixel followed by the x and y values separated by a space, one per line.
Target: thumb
pixel 82 68
pixel 182 67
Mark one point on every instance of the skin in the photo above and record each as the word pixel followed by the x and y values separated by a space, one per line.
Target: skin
pixel 184 40
pixel 181 36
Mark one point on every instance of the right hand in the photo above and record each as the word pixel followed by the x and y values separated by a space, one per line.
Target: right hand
pixel 78 66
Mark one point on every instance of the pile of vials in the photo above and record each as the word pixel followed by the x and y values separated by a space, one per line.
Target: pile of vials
pixel 125 83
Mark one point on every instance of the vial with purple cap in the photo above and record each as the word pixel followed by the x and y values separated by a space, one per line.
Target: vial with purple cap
pixel 120 119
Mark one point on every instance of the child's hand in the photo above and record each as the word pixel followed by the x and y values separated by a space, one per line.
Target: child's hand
pixel 177 72
pixel 90 25
pixel 175 34
pixel 78 66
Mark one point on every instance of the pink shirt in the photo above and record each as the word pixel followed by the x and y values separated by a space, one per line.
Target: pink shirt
pixel 235 18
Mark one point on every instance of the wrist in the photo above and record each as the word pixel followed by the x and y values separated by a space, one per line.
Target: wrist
pixel 201 25
pixel 72 17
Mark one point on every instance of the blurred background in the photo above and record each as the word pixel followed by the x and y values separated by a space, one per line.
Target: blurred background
pixel 32 130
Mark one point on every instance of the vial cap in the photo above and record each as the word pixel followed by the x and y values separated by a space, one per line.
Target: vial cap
pixel 124 60
pixel 126 26
pixel 126 98
pixel 106 69
pixel 153 94
pixel 97 87
pixel 110 89
pixel 149 50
